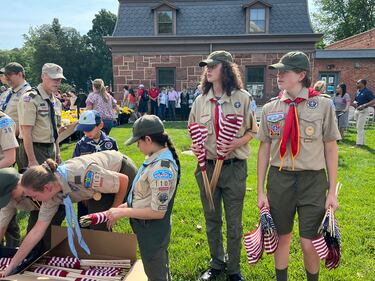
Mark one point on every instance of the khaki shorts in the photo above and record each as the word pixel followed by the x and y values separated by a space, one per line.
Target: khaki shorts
pixel 301 191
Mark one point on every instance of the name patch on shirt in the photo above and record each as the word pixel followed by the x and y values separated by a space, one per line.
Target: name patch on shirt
pixel 162 174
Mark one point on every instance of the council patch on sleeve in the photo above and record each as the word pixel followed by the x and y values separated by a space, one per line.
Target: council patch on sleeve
pixel 89 177
pixel 162 174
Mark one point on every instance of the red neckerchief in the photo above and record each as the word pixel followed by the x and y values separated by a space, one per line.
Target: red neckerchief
pixel 291 127
pixel 217 113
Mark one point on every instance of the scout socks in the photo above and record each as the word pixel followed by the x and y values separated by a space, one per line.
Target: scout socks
pixel 312 277
pixel 282 274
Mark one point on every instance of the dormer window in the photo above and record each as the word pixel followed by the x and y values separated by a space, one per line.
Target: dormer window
pixel 165 18
pixel 257 17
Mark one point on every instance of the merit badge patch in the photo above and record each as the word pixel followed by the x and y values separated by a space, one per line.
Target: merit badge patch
pixel 162 174
pixel 275 129
pixel 163 197
pixel 98 180
pixel 275 117
pixel 89 177
pixel 108 145
pixel 312 104
pixel 237 104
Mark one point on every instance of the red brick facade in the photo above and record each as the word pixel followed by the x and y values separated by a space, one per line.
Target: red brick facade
pixel 365 40
pixel 135 70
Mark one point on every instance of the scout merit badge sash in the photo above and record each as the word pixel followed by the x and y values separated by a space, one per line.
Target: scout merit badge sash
pixel 226 128
pixel 166 155
pixel 291 127
pixel 69 210
pixel 199 136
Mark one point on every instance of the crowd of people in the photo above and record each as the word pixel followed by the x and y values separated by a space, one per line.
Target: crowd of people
pixel 165 102
pixel 297 161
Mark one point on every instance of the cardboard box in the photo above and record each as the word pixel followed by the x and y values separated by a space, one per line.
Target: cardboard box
pixel 102 244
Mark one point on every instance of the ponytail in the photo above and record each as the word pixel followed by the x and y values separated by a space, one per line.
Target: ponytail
pixel 99 86
pixel 37 177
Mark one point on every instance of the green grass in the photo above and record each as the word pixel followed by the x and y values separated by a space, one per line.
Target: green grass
pixel 189 254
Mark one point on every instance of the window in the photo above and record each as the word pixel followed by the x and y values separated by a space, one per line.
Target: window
pixel 255 81
pixel 257 20
pixel 165 22
pixel 166 77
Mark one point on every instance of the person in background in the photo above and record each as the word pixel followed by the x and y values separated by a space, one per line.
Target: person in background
pixel 172 100
pixel 320 86
pixel 133 104
pixel 364 98
pixel 154 94
pixel 163 101
pixel 101 101
pixel 184 101
pixel 125 97
pixel 143 99
pixel 342 103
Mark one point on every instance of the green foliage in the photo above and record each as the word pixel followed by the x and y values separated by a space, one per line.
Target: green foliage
pixel 339 19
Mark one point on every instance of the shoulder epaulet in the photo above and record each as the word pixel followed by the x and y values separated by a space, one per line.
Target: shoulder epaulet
pixel 32 93
pixel 325 96
pixel 272 99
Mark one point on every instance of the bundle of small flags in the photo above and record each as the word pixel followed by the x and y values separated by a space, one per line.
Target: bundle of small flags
pixel 328 243
pixel 67 262
pixel 263 238
pixel 92 219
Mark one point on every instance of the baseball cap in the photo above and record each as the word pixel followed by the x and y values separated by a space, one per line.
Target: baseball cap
pixel 9 178
pixel 144 126
pixel 53 70
pixel 216 58
pixel 292 61
pixel 88 121
pixel 13 67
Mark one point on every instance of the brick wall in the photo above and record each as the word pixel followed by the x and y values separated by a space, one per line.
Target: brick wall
pixel 363 40
pixel 135 70
pixel 349 71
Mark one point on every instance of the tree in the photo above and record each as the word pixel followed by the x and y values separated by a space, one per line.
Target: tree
pixel 100 59
pixel 339 19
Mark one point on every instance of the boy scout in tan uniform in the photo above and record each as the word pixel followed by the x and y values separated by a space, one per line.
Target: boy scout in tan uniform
pixel 9 100
pixel 231 185
pixel 297 180
pixel 36 111
pixel 8 142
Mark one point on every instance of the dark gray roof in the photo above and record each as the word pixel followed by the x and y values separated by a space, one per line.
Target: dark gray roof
pixel 211 17
pixel 346 54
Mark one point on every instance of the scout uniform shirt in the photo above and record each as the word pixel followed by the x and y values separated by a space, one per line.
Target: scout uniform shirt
pixel 10 99
pixel 317 124
pixel 156 186
pixel 8 212
pixel 33 110
pixel 7 134
pixel 239 103
pixel 87 145
pixel 87 175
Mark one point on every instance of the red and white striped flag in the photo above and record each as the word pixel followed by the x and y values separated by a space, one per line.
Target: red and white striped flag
pixel 5 261
pixel 67 262
pixel 51 271
pixel 270 237
pixel 199 136
pixel 320 246
pixel 93 272
pixel 254 245
pixel 229 126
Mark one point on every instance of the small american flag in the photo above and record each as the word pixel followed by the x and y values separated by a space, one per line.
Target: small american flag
pixel 270 237
pixel 51 271
pixel 67 262
pixel 320 246
pixel 229 127
pixel 254 245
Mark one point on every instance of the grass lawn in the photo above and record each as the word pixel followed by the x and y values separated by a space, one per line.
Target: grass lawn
pixel 189 254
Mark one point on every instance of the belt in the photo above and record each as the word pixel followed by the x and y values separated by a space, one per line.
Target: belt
pixel 39 143
pixel 226 162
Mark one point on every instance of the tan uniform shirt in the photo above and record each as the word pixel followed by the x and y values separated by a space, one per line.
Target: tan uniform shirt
pixel 7 134
pixel 8 212
pixel 156 186
pixel 33 110
pixel 17 93
pixel 87 174
pixel 317 124
pixel 239 103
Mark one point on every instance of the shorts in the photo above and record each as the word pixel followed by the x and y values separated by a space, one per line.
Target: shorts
pixel 301 191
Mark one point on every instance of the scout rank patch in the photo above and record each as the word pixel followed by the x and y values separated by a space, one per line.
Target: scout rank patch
pixel 275 122
pixel 312 103
pixel 163 197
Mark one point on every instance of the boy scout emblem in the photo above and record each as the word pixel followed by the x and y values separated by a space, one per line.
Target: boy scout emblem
pixel 162 174
pixel 312 104
pixel 275 129
pixel 163 197
pixel 309 131
pixel 108 145
pixel 275 117
pixel 89 179
pixel 237 104
pixel 97 196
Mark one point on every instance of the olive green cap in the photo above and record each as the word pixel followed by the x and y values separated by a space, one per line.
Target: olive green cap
pixel 217 57
pixel 13 67
pixel 292 61
pixel 9 178
pixel 145 126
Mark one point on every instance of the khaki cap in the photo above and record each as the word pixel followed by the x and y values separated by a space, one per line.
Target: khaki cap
pixel 53 70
